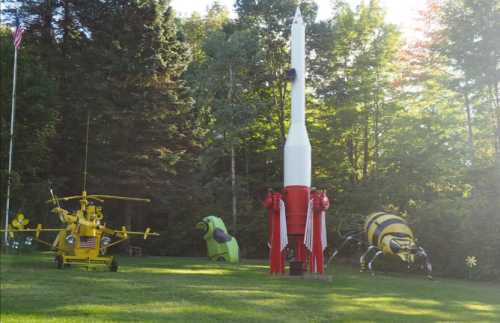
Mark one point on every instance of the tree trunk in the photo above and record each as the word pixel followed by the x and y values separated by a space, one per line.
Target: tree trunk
pixel 470 139
pixel 355 158
pixel 376 138
pixel 496 106
pixel 233 158
pixel 350 155
pixel 366 151
pixel 247 174
pixel 378 102
pixel 47 18
pixel 233 190
pixel 65 24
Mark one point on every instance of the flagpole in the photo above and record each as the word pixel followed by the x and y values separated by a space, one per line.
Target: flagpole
pixel 12 115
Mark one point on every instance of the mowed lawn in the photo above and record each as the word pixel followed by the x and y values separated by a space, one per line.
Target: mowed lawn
pixel 162 289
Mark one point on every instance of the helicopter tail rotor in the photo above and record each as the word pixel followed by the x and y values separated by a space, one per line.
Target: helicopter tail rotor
pixel 146 233
pixel 124 232
pixel 38 230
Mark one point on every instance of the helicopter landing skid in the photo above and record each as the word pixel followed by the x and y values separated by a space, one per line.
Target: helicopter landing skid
pixel 64 260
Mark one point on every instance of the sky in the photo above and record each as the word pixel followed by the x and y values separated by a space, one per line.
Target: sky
pixel 403 13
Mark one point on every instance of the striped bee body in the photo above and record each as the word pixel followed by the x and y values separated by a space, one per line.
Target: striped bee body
pixel 391 235
pixel 388 234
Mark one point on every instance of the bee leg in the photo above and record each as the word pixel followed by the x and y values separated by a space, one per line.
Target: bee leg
pixel 370 264
pixel 428 268
pixel 336 251
pixel 428 265
pixel 362 261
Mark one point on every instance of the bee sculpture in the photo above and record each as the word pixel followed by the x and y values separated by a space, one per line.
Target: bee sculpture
pixel 387 234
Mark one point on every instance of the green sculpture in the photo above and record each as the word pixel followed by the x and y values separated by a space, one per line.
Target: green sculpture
pixel 220 245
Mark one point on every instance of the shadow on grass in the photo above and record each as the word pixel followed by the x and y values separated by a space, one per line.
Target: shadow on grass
pixel 187 290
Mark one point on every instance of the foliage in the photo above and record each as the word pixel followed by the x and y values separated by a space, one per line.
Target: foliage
pixel 193 113
pixel 35 127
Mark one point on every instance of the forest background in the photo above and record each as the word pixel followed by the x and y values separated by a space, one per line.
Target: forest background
pixel 193 113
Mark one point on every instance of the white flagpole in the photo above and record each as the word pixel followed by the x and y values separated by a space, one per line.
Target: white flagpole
pixel 12 115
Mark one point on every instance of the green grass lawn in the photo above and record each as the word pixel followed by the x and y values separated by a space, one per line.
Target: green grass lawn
pixel 195 290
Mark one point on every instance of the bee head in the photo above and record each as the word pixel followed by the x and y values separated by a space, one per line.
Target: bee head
pixel 403 248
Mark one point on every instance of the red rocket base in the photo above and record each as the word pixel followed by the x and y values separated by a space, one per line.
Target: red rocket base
pixel 296 199
pixel 320 203
pixel 296 202
pixel 276 250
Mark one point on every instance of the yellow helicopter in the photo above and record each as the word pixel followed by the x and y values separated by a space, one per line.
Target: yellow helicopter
pixel 85 237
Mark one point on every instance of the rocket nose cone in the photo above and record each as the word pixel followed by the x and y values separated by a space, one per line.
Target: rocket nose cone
pixel 297 19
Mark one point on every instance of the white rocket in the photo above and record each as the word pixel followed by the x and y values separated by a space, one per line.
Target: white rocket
pixel 304 211
pixel 297 146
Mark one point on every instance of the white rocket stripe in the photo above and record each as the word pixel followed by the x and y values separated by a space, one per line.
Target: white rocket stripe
pixel 308 234
pixel 324 240
pixel 283 230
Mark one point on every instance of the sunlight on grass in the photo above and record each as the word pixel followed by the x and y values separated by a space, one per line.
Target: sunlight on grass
pixel 418 312
pixel 181 271
pixel 479 307
pixel 264 267
pixel 15 285
pixel 235 292
pixel 268 302
pixel 156 307
pixel 394 305
pixel 242 265
pixel 418 302
pixel 32 318
pixel 265 295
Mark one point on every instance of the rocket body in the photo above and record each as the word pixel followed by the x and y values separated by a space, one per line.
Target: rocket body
pixel 297 175
pixel 297 146
pixel 305 230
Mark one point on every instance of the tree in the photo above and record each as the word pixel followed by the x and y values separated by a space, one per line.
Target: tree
pixel 352 72
pixel 232 59
pixel 145 132
pixel 35 123
pixel 271 21
pixel 470 39
pixel 121 63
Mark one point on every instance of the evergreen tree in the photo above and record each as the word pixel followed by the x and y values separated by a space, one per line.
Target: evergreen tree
pixel 35 126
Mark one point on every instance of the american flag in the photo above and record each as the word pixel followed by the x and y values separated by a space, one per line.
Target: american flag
pixel 18 34
pixel 87 242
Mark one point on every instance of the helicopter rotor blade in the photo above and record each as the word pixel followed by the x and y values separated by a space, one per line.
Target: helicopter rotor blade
pixel 92 197
pixel 67 198
pixel 115 197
